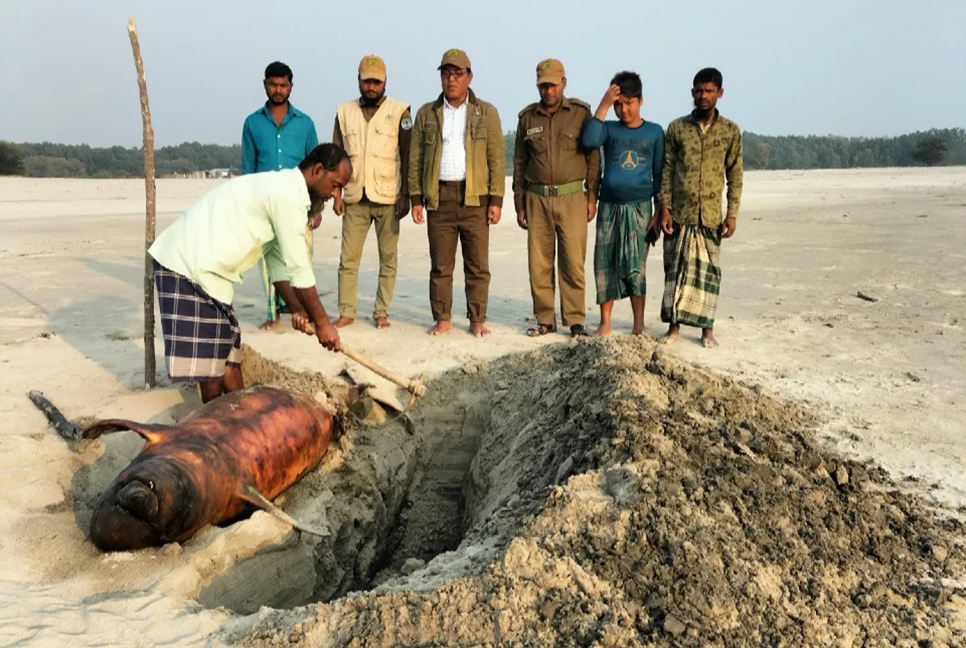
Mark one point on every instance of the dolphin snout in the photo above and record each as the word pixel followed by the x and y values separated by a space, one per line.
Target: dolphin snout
pixel 139 500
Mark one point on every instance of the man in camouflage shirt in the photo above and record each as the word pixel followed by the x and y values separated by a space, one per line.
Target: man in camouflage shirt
pixel 701 151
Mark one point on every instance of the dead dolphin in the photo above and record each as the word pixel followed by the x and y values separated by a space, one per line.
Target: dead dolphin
pixel 241 449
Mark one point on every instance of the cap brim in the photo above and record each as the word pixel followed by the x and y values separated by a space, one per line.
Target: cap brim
pixel 372 76
pixel 550 78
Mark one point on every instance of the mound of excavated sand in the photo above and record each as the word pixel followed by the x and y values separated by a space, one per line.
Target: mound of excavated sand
pixel 604 493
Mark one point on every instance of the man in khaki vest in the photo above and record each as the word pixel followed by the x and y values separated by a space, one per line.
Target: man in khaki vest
pixel 456 174
pixel 375 130
pixel 555 182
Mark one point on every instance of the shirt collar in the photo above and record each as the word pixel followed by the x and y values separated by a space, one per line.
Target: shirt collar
pixel 299 178
pixel 564 105
pixel 470 99
pixel 292 111
pixel 713 121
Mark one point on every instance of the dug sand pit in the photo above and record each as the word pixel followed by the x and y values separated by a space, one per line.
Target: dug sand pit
pixel 617 496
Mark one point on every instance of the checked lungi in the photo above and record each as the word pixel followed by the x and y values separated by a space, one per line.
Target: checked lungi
pixel 692 275
pixel 201 334
pixel 620 252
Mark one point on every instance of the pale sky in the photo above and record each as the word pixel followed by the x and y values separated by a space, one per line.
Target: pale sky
pixel 843 67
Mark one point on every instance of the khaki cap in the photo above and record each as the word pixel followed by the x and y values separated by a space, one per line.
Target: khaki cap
pixel 455 57
pixel 372 67
pixel 550 71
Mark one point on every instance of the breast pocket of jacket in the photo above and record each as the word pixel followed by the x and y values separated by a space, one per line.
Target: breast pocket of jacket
pixel 430 133
pixel 353 142
pixel 536 144
pixel 386 139
pixel 477 127
pixel 568 141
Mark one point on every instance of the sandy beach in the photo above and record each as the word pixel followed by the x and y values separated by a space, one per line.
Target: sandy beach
pixel 865 384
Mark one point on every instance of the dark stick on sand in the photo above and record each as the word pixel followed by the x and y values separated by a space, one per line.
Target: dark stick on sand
pixel 65 428
pixel 149 191
pixel 868 298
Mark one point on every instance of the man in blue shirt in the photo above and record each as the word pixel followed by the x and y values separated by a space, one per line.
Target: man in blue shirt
pixel 633 161
pixel 275 137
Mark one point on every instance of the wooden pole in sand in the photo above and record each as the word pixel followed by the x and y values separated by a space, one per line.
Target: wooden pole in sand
pixel 149 191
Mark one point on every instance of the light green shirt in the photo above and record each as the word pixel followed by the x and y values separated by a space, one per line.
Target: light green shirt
pixel 227 231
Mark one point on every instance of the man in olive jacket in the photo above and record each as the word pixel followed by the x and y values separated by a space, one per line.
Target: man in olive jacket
pixel 456 173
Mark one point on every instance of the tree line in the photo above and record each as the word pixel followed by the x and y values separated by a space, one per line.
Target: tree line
pixel 932 147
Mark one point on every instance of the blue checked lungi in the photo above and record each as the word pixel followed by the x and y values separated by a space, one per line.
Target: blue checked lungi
pixel 201 334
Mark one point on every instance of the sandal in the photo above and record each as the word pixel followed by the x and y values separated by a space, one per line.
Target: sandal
pixel 578 330
pixel 541 329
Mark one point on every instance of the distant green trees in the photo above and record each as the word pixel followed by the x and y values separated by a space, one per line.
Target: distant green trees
pixel 930 150
pixel 831 152
pixel 937 146
pixel 47 159
pixel 11 159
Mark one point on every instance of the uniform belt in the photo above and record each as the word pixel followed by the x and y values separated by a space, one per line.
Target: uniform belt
pixel 556 190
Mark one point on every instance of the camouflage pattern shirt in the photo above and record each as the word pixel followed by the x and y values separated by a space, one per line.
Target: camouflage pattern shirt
pixel 696 165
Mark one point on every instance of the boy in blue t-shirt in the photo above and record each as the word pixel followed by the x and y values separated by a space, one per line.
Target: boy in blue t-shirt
pixel 633 161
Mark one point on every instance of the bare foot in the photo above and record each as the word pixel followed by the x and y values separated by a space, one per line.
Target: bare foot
pixel 343 321
pixel 269 325
pixel 441 327
pixel 707 339
pixel 602 330
pixel 477 329
pixel 382 322
pixel 671 336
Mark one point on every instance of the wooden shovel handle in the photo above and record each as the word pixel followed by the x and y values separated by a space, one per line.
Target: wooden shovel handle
pixel 414 387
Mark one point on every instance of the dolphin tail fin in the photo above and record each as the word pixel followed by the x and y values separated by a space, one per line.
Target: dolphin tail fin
pixel 151 432
pixel 250 494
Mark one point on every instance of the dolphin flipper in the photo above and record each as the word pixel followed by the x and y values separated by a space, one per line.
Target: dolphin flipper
pixel 250 494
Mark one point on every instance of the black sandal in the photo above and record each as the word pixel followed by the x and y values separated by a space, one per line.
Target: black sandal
pixel 541 329
pixel 578 330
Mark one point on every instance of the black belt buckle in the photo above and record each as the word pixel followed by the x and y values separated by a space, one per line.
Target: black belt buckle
pixel 551 190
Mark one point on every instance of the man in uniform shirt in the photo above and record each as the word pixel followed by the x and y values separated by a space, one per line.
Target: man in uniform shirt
pixel 555 181
pixel 199 258
pixel 375 130
pixel 277 136
pixel 456 173
pixel 702 150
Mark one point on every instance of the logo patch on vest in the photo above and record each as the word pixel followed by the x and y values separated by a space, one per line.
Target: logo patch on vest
pixel 535 130
pixel 406 123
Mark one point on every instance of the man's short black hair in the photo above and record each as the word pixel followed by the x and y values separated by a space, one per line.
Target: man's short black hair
pixel 708 75
pixel 329 156
pixel 278 69
pixel 629 83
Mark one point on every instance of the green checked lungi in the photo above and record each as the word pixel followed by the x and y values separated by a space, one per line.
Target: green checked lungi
pixel 692 275
pixel 620 251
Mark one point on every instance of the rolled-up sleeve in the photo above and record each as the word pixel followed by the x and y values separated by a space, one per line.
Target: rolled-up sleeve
pixel 289 218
